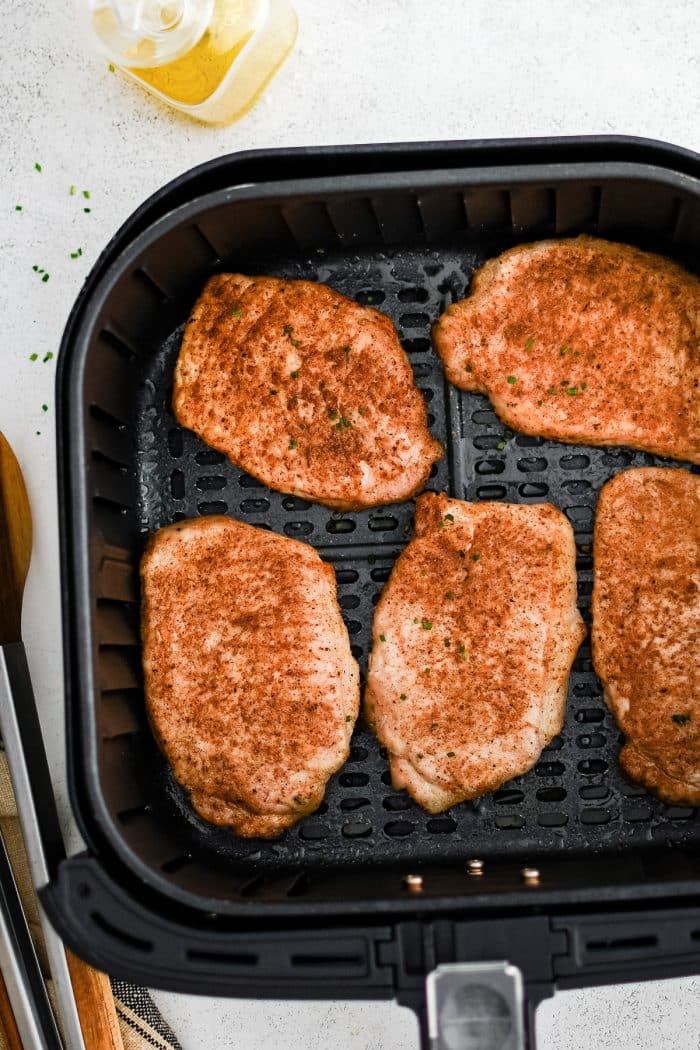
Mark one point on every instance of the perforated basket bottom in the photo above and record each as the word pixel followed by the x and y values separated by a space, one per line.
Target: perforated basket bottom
pixel 575 798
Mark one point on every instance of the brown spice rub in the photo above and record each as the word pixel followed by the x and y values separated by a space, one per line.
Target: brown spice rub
pixel 306 390
pixel 583 340
pixel 473 639
pixel 250 685
pixel 646 624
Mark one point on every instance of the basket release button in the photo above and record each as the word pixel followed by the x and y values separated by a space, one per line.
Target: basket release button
pixel 475 1006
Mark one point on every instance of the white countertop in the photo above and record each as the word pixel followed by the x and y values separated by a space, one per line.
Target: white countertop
pixel 362 71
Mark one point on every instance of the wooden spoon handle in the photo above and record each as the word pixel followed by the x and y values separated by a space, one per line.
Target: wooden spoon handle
pixel 8 1025
pixel 95 1003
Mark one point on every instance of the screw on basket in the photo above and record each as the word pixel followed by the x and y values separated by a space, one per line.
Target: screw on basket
pixel 414 883
pixel 530 876
pixel 475 867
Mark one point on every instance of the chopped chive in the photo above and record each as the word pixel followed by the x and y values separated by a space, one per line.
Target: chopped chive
pixel 76 254
pixel 529 343
pixel 293 400
pixel 419 756
pixel 87 209
pixel 476 556
pixel 402 696
pixel 539 404
pixel 571 390
pixel 362 411
pixel 433 725
pixel 332 413
pixel 111 67
pixel 382 637
pixel 37 167
pixel 441 524
pixel 35 269
pixel 449 595
pixel 295 374
pixel 426 670
pixel 449 517
pixel 45 278
pixel 680 720
pixel 468 368
pixel 273 392
pixel 47 356
pixel 293 444
pixel 18 207
pixel 584 385
pixel 501 445
pixel 461 554
pixel 563 350
pixel 346 349
pixel 33 357
pixel 342 423
pixel 424 572
pixel 73 190
pixel 552 391
pixel 416 620
pixel 450 754
pixel 427 625
pixel 288 329
pixel 86 194
pixel 44 408
pixel 320 251
pixel 237 312
pixel 512 379
pixel 295 342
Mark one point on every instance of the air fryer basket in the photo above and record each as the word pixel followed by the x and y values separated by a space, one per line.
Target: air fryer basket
pixel 405 241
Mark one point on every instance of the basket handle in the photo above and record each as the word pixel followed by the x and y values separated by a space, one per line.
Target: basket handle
pixel 100 912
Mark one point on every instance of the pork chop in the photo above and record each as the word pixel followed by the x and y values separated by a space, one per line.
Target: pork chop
pixel 306 390
pixel 474 636
pixel 585 341
pixel 646 624
pixel 250 686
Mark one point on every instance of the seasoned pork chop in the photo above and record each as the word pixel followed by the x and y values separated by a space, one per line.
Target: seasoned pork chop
pixel 646 624
pixel 585 341
pixel 304 389
pixel 251 689
pixel 474 636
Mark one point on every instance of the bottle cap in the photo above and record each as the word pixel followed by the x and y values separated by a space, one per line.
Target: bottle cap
pixel 142 34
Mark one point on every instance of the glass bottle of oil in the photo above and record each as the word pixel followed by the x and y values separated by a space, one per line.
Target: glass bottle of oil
pixel 209 58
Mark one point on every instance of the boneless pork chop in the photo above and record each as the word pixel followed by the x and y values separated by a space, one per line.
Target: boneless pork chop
pixel 304 389
pixel 583 340
pixel 251 688
pixel 474 636
pixel 646 624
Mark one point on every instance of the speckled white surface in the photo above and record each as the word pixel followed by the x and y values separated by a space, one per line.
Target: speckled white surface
pixel 362 71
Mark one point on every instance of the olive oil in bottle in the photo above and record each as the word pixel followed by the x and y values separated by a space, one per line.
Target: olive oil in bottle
pixel 210 59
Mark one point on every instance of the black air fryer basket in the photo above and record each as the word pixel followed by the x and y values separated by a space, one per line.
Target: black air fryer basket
pixel 566 876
